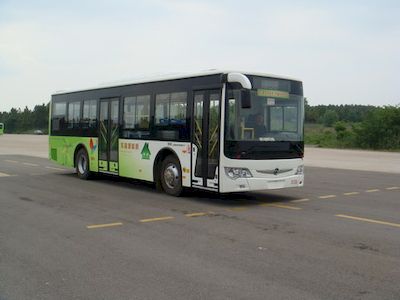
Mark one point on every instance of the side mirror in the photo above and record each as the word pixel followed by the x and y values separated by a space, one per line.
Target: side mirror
pixel 246 98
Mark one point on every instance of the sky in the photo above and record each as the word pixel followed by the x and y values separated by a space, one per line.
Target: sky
pixel 345 52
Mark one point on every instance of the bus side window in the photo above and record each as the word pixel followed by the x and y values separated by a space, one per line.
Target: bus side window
pixel 178 108
pixel 142 120
pixel 59 114
pixel 89 118
pixel 162 109
pixel 74 114
pixel 170 116
pixel 136 118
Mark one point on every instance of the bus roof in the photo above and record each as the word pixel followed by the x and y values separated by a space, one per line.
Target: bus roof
pixel 173 76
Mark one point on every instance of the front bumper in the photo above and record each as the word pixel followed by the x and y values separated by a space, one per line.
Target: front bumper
pixel 279 183
pixel 257 184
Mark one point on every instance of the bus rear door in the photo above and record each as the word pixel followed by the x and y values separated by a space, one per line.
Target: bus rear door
pixel 109 135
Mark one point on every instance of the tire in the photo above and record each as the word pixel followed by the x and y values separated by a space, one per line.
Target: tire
pixel 171 176
pixel 82 164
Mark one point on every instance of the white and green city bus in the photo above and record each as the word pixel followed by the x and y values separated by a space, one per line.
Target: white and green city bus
pixel 217 130
pixel 1 128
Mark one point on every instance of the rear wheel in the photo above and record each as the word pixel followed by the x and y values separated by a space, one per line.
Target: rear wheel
pixel 82 164
pixel 171 176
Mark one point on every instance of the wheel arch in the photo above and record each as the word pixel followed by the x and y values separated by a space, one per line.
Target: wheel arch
pixel 161 155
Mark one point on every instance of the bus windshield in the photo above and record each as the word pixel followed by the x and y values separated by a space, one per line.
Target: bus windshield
pixel 275 113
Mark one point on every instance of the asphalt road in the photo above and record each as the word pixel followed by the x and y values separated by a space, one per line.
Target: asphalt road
pixel 108 238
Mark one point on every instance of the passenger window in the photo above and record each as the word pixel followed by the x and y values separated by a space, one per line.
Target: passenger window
pixel 142 112
pixel 74 113
pixel 89 119
pixel 59 112
pixel 136 116
pixel 171 109
pixel 162 109
pixel 178 108
pixel 129 113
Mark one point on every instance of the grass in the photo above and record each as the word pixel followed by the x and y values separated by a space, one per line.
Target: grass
pixel 322 136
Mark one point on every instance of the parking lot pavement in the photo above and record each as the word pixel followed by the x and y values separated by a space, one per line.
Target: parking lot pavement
pixel 109 238
pixel 362 160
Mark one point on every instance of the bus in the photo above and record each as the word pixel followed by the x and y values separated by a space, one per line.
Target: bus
pixel 1 128
pixel 222 131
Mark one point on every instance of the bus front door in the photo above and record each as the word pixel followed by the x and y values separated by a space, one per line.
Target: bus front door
pixel 108 135
pixel 205 144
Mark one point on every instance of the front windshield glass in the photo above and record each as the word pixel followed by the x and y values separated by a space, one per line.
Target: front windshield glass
pixel 276 114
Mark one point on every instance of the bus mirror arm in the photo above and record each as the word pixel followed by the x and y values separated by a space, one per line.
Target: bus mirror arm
pixel 239 78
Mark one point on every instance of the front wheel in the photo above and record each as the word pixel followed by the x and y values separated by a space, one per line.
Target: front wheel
pixel 171 176
pixel 82 164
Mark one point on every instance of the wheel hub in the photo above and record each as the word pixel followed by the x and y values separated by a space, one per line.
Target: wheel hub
pixel 171 176
pixel 82 164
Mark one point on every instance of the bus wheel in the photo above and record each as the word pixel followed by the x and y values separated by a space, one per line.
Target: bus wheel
pixel 82 164
pixel 171 176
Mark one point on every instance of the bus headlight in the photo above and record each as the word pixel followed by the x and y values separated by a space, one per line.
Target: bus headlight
pixel 300 170
pixel 235 173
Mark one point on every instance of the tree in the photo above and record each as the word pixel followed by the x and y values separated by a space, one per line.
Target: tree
pixel 17 121
pixel 329 118
pixel 340 128
pixel 380 129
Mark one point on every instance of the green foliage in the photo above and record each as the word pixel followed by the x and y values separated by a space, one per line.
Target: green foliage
pixel 380 129
pixel 346 113
pixel 23 121
pixel 319 135
pixel 341 130
pixel 330 117
pixel 340 127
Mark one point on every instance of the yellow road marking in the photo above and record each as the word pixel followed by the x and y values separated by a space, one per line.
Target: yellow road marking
pixel 29 164
pixel 104 225
pixel 351 193
pixel 199 214
pixel 372 191
pixel 300 200
pixel 281 206
pixel 369 220
pixel 156 219
pixel 52 168
pixel 393 188
pixel 11 161
pixel 4 175
pixel 327 196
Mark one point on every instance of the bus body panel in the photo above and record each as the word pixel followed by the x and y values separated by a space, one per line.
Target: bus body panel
pixel 137 158
pixel 62 150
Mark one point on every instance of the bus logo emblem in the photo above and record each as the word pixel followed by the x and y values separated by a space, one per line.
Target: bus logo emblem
pixel 276 171
pixel 146 151
pixel 92 146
